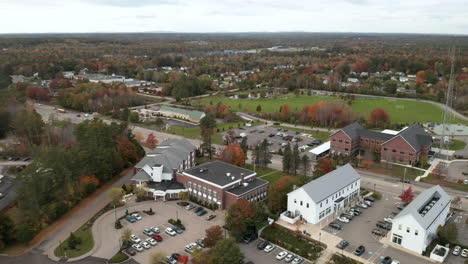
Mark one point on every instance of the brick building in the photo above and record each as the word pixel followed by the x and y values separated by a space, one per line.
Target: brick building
pixel 223 184
pixel 406 146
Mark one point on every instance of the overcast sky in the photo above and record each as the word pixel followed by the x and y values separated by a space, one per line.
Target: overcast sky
pixel 387 16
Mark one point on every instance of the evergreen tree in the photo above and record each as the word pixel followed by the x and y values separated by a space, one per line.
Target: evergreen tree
pixel 207 125
pixel 244 146
pixel 295 160
pixel 287 159
pixel 305 164
pixel 265 155
pixel 256 155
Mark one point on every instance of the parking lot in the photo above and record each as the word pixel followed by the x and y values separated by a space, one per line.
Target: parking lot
pixel 359 232
pixel 276 137
pixel 7 188
pixel 108 236
pixel 459 219
pixel 252 253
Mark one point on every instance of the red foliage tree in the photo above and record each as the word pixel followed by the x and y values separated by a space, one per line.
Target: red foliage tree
pixel 213 235
pixel 407 196
pixel 151 141
pixel 233 154
pixel 127 150
pixel 326 165
pixel 277 196
pixel 285 112
pixel 37 93
pixel 379 117
pixel 223 110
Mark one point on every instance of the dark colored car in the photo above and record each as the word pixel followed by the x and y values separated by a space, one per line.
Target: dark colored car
pixel 157 238
pixel 343 244
pixel 178 229
pixel 202 212
pixel 377 232
pixel 262 245
pixel 369 198
pixel 317 141
pixel 335 225
pixel 401 206
pixel 276 124
pixel 360 250
pixel 175 256
pixel 384 225
pixel 271 135
pixel 130 251
pixel 130 218
pixel 386 260
pixel 198 209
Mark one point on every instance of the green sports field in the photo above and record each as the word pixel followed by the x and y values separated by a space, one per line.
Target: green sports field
pixel 400 111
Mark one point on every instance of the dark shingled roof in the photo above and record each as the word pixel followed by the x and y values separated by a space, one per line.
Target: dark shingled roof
pixel 375 134
pixel 165 185
pixel 241 189
pixel 216 172
pixel 416 136
pixel 352 130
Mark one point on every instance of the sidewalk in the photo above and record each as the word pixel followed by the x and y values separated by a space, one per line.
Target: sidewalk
pixel 434 164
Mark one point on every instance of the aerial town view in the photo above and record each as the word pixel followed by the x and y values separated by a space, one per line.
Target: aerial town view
pixel 233 132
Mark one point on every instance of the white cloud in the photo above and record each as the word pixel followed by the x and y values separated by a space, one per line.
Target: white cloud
pixel 410 16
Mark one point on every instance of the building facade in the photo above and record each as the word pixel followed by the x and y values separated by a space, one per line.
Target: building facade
pixel 190 115
pixel 415 227
pixel 157 170
pixel 222 184
pixel 324 196
pixel 406 146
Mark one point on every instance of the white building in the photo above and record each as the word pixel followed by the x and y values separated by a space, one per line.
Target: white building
pixel 416 225
pixel 324 196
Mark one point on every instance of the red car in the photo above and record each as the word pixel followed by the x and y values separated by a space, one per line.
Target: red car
pixel 130 251
pixel 157 238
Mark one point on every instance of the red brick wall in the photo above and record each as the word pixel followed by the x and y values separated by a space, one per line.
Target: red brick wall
pixel 184 180
pixel 340 147
pixel 399 145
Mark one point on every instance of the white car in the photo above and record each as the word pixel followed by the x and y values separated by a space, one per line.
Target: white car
pixel 170 231
pixel 281 255
pixel 388 219
pixel 156 230
pixel 145 245
pixel 189 248
pixel 269 248
pixel 395 262
pixel 151 241
pixel 456 250
pixel 368 203
pixel 297 260
pixel 137 216
pixel 464 253
pixel 343 219
pixel 137 247
pixel 135 239
pixel 289 258
pixel 362 205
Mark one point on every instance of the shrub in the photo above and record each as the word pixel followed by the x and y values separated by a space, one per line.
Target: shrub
pixel 183 203
pixel 118 225
pixel 177 222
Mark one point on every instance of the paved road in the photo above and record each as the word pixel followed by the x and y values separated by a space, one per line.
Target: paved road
pixel 14 163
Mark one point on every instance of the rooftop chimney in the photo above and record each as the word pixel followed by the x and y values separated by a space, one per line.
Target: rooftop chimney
pixel 241 178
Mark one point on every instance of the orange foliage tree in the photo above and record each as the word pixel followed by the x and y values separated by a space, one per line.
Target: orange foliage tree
pixel 127 150
pixel 151 141
pixel 379 117
pixel 277 195
pixel 233 154
pixel 285 112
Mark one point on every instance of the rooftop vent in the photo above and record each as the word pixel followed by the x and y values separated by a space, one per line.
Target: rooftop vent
pixel 233 178
pixel 203 170
pixel 228 174
pixel 245 183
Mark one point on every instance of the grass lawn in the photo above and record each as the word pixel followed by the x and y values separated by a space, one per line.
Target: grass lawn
pixel 396 171
pixel 400 111
pixel 457 144
pixel 119 257
pixel 87 243
pixel 267 174
pixel 273 177
pixel 434 179
pixel 322 135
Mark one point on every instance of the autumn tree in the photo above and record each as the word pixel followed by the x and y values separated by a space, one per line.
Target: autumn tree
pixel 243 217
pixel 407 196
pixel 213 235
pixel 324 166
pixel 126 233
pixel 127 151
pixel 226 252
pixel 448 233
pixel 115 195
pixel 158 258
pixel 233 154
pixel 151 141
pixel 379 118
pixel 259 108
pixel 277 195
pixel 285 112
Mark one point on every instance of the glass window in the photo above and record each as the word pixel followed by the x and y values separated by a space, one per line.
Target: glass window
pixel 307 205
pixel 295 201
pixel 301 203
pixel 396 239
pixel 407 230
pixel 416 232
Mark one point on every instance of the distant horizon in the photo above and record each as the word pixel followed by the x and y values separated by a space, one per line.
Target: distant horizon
pixel 433 17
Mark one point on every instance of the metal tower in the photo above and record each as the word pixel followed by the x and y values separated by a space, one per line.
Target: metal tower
pixel 448 104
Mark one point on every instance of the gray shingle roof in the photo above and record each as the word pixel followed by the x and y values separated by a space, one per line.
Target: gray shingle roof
pixel 241 189
pixel 374 134
pixel 330 183
pixel 413 208
pixel 216 172
pixel 165 185
pixel 141 175
pixel 416 136
pixel 352 130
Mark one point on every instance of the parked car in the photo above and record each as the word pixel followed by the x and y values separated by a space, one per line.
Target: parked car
pixel 137 217
pixel 369 198
pixel 395 262
pixel 170 231
pixel 145 245
pixel 138 247
pixel 368 203
pixel 464 253
pixel 343 244
pixel 281 255
pixel 269 248
pixel 130 219
pixel 297 260
pixel 198 209
pixel 343 219
pixel 210 217
pixel 202 212
pixel 189 207
pixel 135 239
pixel 200 243
pixel 289 258
pixel 189 248
pixel 356 209
pixel 155 230
pixel 401 206
pixel 151 241
pixel 384 225
pixel 360 250
pixel 130 251
pixel 348 215
pixel 377 232
pixel 178 229
pixel 388 219
pixel 456 250
pixel 386 260
pixel 157 238
pixel 148 232
pixel 335 225
pixel 262 245
pixel 362 205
